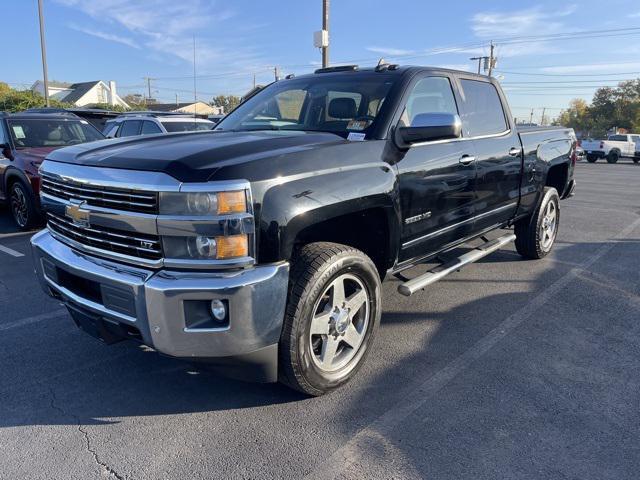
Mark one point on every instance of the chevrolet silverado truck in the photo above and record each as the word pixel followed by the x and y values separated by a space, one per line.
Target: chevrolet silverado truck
pixel 613 148
pixel 260 247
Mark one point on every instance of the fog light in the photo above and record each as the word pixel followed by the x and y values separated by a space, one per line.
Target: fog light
pixel 218 310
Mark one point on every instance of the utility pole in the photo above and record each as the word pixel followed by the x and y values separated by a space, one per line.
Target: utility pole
pixel 44 55
pixel 148 80
pixel 254 80
pixel 542 119
pixel 276 74
pixel 491 59
pixel 195 93
pixel 325 27
pixel 531 117
pixel 177 103
pixel 479 62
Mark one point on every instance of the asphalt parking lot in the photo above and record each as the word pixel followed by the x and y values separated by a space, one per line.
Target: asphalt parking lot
pixel 507 369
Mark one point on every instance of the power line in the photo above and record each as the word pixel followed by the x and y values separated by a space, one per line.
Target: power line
pixel 566 74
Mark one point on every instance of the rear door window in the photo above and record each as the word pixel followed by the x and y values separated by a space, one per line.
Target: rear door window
pixel 618 138
pixel 130 128
pixel 483 113
pixel 149 128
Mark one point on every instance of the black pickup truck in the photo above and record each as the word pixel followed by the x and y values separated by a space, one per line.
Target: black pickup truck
pixel 260 247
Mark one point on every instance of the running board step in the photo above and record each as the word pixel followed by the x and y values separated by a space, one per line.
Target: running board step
pixel 412 286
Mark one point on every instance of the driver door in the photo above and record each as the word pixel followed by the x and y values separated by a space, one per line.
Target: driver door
pixel 436 178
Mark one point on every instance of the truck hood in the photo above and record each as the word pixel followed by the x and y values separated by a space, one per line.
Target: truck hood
pixel 194 156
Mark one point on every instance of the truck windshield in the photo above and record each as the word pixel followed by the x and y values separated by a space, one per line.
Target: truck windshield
pixel 34 133
pixel 337 104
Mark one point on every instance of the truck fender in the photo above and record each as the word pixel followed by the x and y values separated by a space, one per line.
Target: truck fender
pixel 290 205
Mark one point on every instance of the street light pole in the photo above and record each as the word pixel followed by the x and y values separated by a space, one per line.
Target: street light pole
pixel 44 54
pixel 325 27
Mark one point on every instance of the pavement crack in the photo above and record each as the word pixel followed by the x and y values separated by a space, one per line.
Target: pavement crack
pixel 110 472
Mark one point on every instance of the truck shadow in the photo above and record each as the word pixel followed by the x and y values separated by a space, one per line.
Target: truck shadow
pixel 127 381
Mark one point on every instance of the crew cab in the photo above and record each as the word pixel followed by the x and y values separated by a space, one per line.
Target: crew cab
pixel 260 247
pixel 613 148
pixel 25 140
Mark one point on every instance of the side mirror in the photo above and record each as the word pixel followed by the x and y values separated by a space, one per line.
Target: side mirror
pixel 428 127
pixel 5 150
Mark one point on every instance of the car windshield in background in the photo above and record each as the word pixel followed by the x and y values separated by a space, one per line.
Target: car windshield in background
pixel 34 133
pixel 317 103
pixel 187 126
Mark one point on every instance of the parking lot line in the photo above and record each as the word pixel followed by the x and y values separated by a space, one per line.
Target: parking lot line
pixel 354 449
pixel 10 251
pixel 17 234
pixel 29 320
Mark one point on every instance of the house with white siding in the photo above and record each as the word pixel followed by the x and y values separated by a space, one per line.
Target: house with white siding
pixel 82 94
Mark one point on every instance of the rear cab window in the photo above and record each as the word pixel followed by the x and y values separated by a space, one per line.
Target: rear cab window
pixel 483 113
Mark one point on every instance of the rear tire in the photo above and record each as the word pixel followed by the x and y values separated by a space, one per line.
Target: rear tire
pixel 592 158
pixel 636 160
pixel 332 314
pixel 536 234
pixel 613 157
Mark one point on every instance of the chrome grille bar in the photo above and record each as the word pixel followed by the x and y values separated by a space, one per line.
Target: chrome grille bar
pixel 109 197
pixel 118 241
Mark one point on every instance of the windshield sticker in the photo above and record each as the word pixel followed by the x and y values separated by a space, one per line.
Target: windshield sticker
pixel 356 137
pixel 18 132
pixel 358 124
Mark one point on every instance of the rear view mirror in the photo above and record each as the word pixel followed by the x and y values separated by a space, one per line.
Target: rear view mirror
pixel 429 127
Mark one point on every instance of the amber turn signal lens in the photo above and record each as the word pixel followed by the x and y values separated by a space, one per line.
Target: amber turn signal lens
pixel 233 246
pixel 232 202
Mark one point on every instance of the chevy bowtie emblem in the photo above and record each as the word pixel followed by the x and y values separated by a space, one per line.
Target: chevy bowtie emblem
pixel 77 214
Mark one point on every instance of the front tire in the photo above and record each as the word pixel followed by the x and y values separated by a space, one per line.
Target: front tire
pixel 536 234
pixel 332 314
pixel 613 157
pixel 23 208
pixel 592 158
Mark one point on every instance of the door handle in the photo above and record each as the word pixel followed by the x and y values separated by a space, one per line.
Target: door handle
pixel 467 159
pixel 515 151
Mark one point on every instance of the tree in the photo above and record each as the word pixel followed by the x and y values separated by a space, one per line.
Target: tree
pixel 227 102
pixel 611 107
pixel 17 100
pixel 136 101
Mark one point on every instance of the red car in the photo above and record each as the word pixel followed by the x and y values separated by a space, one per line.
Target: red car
pixel 25 140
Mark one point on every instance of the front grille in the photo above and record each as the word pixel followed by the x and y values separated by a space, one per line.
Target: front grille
pixel 101 196
pixel 138 245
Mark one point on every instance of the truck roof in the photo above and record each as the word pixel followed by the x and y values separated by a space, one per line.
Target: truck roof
pixel 389 70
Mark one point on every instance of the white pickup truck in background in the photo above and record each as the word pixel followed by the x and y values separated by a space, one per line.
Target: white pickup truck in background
pixel 613 148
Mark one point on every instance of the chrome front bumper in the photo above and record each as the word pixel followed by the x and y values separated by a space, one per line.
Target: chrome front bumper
pixel 153 302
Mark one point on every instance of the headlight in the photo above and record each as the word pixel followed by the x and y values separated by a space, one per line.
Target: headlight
pixel 201 247
pixel 203 203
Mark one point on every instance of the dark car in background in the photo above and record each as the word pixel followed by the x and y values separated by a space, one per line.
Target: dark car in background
pixel 25 140
pixel 97 117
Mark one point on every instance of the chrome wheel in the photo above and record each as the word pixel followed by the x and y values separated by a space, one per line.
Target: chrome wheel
pixel 339 324
pixel 19 206
pixel 548 226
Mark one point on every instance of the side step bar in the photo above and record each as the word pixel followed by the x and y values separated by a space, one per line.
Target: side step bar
pixel 412 286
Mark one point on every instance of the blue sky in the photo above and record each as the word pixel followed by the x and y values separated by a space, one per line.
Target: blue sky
pixel 125 40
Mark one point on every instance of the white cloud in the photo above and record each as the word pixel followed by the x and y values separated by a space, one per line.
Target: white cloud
pixel 106 36
pixel 533 21
pixel 455 66
pixel 166 27
pixel 634 15
pixel 391 52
